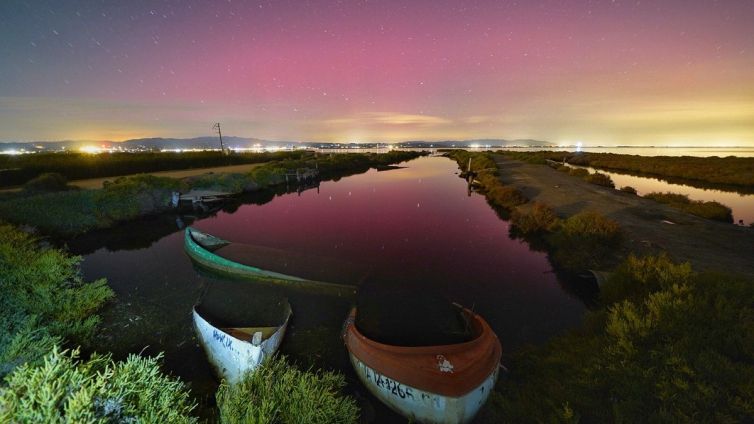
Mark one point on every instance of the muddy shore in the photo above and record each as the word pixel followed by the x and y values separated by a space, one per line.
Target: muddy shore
pixel 649 227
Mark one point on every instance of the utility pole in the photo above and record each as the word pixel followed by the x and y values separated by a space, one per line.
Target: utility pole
pixel 220 133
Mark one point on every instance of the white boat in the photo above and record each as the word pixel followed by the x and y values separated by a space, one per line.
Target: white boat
pixel 445 384
pixel 234 348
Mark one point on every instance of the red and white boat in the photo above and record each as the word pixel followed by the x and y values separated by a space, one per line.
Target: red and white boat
pixel 429 384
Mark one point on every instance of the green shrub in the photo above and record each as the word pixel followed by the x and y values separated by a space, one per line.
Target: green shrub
pixel 230 183
pixel 578 172
pixel 47 182
pixel 709 210
pixel 600 179
pixel 64 389
pixel 678 350
pixel 629 190
pixel 540 218
pixel 277 392
pixel 505 197
pixel 62 213
pixel 44 300
pixel 637 277
pixel 585 241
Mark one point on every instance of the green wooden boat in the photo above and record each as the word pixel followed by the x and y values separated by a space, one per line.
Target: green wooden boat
pixel 201 248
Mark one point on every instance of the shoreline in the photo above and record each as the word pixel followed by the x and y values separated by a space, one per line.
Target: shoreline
pixel 650 227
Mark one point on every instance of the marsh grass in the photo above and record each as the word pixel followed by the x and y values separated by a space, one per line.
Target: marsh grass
pixel 278 392
pixel 710 210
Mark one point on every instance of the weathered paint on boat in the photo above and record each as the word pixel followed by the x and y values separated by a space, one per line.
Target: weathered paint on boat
pixel 422 406
pixel 231 356
pixel 428 384
pixel 204 256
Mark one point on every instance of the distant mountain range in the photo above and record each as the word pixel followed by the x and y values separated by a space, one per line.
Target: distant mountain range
pixel 242 142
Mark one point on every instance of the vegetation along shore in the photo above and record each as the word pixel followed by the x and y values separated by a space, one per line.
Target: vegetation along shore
pixel 728 173
pixel 55 208
pixel 659 344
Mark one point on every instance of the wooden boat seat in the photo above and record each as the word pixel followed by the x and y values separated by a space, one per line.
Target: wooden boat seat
pixel 246 333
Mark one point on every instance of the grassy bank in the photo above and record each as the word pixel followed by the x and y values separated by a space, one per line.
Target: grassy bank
pixel 71 212
pixel 503 198
pixel 736 172
pixel 584 241
pixel 17 170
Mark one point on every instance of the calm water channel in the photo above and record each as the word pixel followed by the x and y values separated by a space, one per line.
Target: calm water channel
pixel 415 229
pixel 741 204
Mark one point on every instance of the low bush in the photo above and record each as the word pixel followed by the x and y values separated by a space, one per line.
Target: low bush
pixel 585 241
pixel 131 197
pixel 629 190
pixel 600 179
pixel 677 350
pixel 47 182
pixel 564 168
pixel 65 389
pixel 709 210
pixel 578 172
pixel 277 392
pixel 539 219
pixel 504 197
pixel 44 299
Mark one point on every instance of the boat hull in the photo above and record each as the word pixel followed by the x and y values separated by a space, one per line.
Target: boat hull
pixel 206 258
pixel 231 357
pixel 422 406
pixel 438 384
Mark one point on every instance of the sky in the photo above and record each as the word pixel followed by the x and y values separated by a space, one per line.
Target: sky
pixel 673 72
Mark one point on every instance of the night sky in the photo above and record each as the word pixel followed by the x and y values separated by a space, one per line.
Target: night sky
pixel 676 72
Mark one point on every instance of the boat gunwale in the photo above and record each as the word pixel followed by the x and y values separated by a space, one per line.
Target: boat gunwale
pixel 288 312
pixel 477 321
pixel 440 386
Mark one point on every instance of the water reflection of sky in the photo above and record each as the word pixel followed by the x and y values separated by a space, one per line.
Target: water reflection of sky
pixel 741 204
pixel 416 227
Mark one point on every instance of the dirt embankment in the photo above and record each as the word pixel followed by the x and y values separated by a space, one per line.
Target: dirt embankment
pixel 649 227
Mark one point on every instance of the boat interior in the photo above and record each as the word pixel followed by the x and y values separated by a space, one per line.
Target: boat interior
pixel 243 314
pixel 398 318
pixel 247 333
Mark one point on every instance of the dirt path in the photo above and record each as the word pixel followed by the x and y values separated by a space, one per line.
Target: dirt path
pixel 650 227
pixel 178 173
